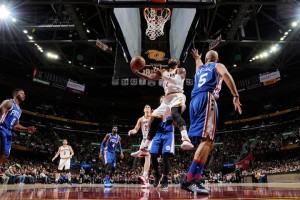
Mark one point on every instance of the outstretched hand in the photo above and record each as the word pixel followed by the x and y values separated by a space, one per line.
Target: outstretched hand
pixel 195 53
pixel 237 105
pixel 131 132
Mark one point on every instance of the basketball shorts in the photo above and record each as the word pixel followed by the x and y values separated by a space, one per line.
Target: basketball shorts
pixel 170 101
pixel 5 141
pixel 163 143
pixel 143 142
pixel 203 117
pixel 110 158
pixel 64 163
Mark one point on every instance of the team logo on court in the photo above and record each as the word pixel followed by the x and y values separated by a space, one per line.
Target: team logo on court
pixel 155 55
pixel 168 148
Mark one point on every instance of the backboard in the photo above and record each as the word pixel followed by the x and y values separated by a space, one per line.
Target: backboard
pixel 200 4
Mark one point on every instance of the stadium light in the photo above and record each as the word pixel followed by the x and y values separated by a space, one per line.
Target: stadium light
pixel 294 24
pixel 274 48
pixel 25 31
pixel 29 37
pixel 52 56
pixel 286 33
pixel 4 12
pixel 265 54
pixel 13 19
pixel 92 68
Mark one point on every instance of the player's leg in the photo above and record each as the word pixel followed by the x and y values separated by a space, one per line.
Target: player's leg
pixel 156 119
pixel 57 176
pixel 203 114
pixel 155 153
pixel 59 170
pixel 177 104
pixel 4 152
pixel 201 156
pixel 155 165
pixel 144 180
pixel 67 170
pixel 109 165
pixel 147 166
pixel 168 150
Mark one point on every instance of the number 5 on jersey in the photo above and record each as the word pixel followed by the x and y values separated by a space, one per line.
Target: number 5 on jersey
pixel 202 79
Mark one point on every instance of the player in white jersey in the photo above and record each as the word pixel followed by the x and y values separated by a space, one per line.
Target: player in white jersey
pixel 143 124
pixel 66 153
pixel 173 80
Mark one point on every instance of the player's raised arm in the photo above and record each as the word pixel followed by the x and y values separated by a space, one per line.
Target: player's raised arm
pixel 120 148
pixel 136 128
pixel 197 57
pixel 56 155
pixel 221 69
pixel 5 106
pixel 152 76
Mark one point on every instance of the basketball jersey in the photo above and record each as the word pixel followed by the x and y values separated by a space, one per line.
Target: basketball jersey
pixel 65 152
pixel 166 126
pixel 11 117
pixel 145 127
pixel 207 80
pixel 171 87
pixel 112 143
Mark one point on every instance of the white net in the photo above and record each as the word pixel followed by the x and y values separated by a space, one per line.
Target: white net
pixel 156 19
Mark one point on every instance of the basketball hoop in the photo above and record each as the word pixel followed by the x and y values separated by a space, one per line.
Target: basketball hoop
pixel 156 19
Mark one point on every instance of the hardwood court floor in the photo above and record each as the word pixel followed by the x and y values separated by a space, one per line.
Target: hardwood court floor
pixel 87 191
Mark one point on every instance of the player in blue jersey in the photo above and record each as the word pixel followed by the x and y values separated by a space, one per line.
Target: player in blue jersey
pixel 163 144
pixel 204 113
pixel 10 113
pixel 111 142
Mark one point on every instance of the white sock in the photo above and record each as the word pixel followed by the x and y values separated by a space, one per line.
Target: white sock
pixel 145 174
pixel 147 142
pixel 183 133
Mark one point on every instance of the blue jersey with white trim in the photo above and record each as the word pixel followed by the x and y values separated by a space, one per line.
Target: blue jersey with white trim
pixel 207 79
pixel 11 117
pixel 166 126
pixel 112 143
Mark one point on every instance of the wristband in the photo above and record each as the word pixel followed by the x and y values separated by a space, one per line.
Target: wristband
pixel 236 96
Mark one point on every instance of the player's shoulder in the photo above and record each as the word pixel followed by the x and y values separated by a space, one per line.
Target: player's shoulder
pixel 7 102
pixel 219 64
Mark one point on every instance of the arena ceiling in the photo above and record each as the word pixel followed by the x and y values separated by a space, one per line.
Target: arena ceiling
pixel 69 29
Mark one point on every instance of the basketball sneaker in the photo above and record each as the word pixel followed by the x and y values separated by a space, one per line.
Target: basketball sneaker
pixel 164 183
pixel 135 154
pixel 193 188
pixel 202 186
pixel 143 181
pixel 186 143
pixel 143 152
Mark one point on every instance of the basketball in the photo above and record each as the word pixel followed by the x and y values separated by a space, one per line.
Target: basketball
pixel 137 63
